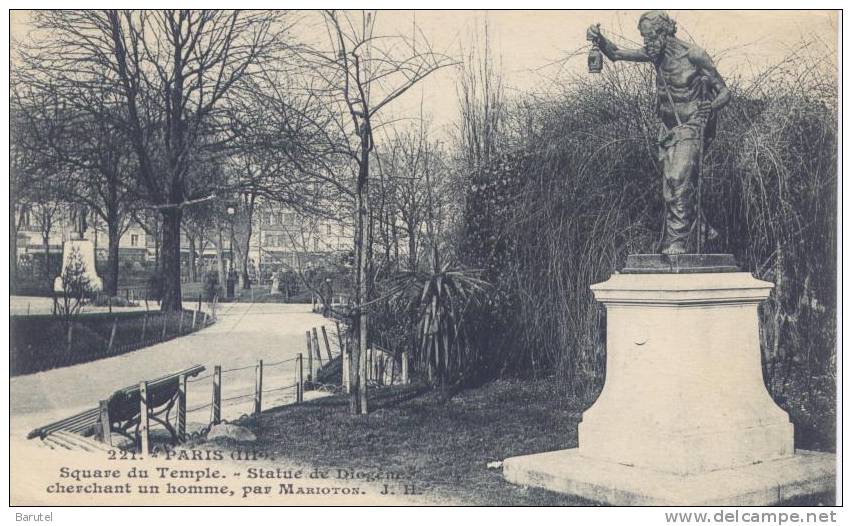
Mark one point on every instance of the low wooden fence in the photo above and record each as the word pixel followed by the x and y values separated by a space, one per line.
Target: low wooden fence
pixel 383 367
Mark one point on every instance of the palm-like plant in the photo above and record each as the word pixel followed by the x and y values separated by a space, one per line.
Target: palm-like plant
pixel 440 298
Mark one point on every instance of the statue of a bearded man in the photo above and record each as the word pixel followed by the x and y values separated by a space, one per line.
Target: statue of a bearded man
pixel 690 93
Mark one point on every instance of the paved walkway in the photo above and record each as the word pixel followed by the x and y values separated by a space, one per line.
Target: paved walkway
pixel 244 334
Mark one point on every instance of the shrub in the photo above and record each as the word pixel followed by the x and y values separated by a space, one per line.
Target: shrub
pixel 105 300
pixel 577 188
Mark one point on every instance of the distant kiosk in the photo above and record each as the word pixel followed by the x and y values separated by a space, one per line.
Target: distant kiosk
pixel 86 250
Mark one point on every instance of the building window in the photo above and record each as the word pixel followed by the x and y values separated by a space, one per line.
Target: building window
pixel 134 240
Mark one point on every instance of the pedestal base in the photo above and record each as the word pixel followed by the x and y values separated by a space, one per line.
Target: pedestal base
pixel 684 416
pixel 765 483
pixel 84 251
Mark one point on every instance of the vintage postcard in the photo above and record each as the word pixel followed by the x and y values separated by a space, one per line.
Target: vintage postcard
pixel 419 258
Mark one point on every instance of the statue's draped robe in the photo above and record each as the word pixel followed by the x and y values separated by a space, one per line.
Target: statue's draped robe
pixel 679 153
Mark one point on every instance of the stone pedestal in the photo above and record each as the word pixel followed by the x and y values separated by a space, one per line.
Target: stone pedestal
pixel 684 416
pixel 86 251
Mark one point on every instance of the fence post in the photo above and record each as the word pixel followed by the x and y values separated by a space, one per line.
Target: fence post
pixel 109 302
pixel 300 379
pixel 199 302
pixel 194 314
pixel 258 386
pixel 112 335
pixel 144 326
pixel 310 356
pixel 144 446
pixel 165 321
pixel 346 359
pixel 180 324
pixel 217 394
pixel 339 337
pixel 405 367
pixel 204 319
pixel 105 430
pixel 181 409
pixel 327 346
pixel 315 341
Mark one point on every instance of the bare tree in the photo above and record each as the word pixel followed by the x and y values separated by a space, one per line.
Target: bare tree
pixel 360 73
pixel 171 73
pixel 84 158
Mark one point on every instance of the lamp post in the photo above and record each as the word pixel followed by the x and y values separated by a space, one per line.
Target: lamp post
pixel 231 210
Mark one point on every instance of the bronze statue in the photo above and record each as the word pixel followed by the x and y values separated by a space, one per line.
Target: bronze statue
pixel 690 93
pixel 78 221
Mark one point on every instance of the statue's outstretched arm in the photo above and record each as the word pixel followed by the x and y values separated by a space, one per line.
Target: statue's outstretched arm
pixel 612 51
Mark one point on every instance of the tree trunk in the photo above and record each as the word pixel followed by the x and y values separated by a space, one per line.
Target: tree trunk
pixel 158 232
pixel 13 244
pixel 193 270
pixel 170 260
pixel 246 252
pixel 45 244
pixel 113 238
pixel 359 355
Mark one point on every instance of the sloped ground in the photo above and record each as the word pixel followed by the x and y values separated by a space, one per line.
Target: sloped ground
pixel 443 447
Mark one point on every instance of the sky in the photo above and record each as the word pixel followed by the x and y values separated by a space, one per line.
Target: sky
pixel 532 46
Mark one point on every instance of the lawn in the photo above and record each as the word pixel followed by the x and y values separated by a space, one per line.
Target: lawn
pixel 447 445
pixel 40 342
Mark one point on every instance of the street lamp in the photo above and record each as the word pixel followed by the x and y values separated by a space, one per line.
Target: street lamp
pixel 231 210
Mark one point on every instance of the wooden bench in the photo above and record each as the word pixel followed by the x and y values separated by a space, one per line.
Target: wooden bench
pixel 128 413
pixel 72 442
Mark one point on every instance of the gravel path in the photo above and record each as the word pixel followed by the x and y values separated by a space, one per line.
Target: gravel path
pixel 244 334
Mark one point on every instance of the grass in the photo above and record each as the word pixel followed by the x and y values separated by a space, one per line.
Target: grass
pixel 39 342
pixel 446 445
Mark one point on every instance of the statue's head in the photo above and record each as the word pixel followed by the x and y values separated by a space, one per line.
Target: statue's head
pixel 656 27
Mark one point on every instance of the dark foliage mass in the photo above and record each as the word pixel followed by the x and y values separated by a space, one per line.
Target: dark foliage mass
pixel 576 188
